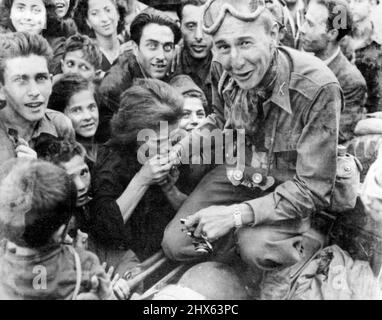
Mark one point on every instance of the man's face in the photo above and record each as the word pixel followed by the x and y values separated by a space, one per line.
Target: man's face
pixel 28 16
pixel 361 9
pixel 62 7
pixel 194 38
pixel 156 50
pixel 245 50
pixel 314 33
pixel 27 87
pixel 78 170
pixel 82 110
pixel 74 62
pixel 193 113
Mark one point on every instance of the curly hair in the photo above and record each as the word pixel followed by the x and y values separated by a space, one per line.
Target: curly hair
pixel 143 106
pixel 81 14
pixel 54 25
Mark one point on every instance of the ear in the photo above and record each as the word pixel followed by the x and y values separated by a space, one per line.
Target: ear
pixel 333 34
pixel 275 33
pixel 2 92
pixel 60 234
pixel 99 74
pixel 88 23
pixel 134 47
pixel 62 64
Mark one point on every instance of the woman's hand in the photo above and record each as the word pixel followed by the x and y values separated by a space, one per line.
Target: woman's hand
pixel 155 170
pixel 168 184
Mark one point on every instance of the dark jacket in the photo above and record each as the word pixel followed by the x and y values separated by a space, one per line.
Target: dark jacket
pixel 309 99
pixel 354 88
pixel 119 78
pixel 143 232
pixel 199 71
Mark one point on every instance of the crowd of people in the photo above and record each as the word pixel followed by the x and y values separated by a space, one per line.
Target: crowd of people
pixel 212 131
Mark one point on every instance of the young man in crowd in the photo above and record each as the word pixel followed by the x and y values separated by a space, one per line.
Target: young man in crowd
pixel 155 37
pixel 25 88
pixel 364 48
pixel 288 105
pixel 196 54
pixel 320 35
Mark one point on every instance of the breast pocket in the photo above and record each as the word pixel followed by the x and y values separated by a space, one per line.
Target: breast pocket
pixel 285 151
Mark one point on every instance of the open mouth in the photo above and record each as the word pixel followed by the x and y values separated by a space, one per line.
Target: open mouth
pixel 198 49
pixel 83 198
pixel 88 126
pixel 243 76
pixel 34 106
pixel 107 26
pixel 159 67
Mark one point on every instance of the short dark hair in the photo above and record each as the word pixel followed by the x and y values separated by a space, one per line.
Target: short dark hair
pixel 332 6
pixel 58 150
pixel 81 14
pixel 37 197
pixel 90 50
pixel 55 27
pixel 183 3
pixel 65 88
pixel 152 16
pixel 22 44
pixel 143 106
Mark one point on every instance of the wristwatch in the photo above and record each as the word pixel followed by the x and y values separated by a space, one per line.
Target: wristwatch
pixel 237 217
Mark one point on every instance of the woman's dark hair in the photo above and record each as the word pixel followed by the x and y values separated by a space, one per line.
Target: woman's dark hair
pixel 152 16
pixel 58 150
pixel 55 27
pixel 143 106
pixel 81 14
pixel 65 88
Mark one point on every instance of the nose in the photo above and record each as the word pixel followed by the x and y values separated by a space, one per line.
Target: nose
pixel 103 16
pixel 194 119
pixel 237 59
pixel 33 89
pixel 28 14
pixel 160 54
pixel 87 114
pixel 79 184
pixel 303 27
pixel 199 33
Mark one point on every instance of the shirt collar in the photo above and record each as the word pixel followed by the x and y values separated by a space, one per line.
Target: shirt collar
pixel 44 126
pixel 280 93
pixel 332 57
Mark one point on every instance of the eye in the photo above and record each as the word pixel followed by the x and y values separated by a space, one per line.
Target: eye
pixel 84 172
pixel 70 64
pixel 168 47
pixel 76 110
pixel 223 48
pixel 191 26
pixel 84 68
pixel 20 8
pixel 186 115
pixel 200 114
pixel 245 44
pixel 42 78
pixel 37 10
pixel 92 107
pixel 152 46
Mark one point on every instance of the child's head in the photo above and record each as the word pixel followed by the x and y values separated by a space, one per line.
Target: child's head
pixel 82 56
pixel 194 102
pixel 36 202
pixel 75 96
pixel 69 155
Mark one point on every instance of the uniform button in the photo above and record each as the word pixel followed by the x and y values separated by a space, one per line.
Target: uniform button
pixel 238 175
pixel 257 178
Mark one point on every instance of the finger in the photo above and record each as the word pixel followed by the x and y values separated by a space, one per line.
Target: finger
pixel 199 231
pixel 192 221
pixel 166 167
pixel 110 272
pixel 115 279
pixel 94 283
pixel 104 265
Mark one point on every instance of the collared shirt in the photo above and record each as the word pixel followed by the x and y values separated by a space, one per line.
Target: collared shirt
pixel 332 57
pixel 54 123
pixel 306 103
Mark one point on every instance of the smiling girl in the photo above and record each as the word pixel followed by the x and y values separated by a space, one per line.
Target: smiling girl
pixel 103 20
pixel 33 16
pixel 75 97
